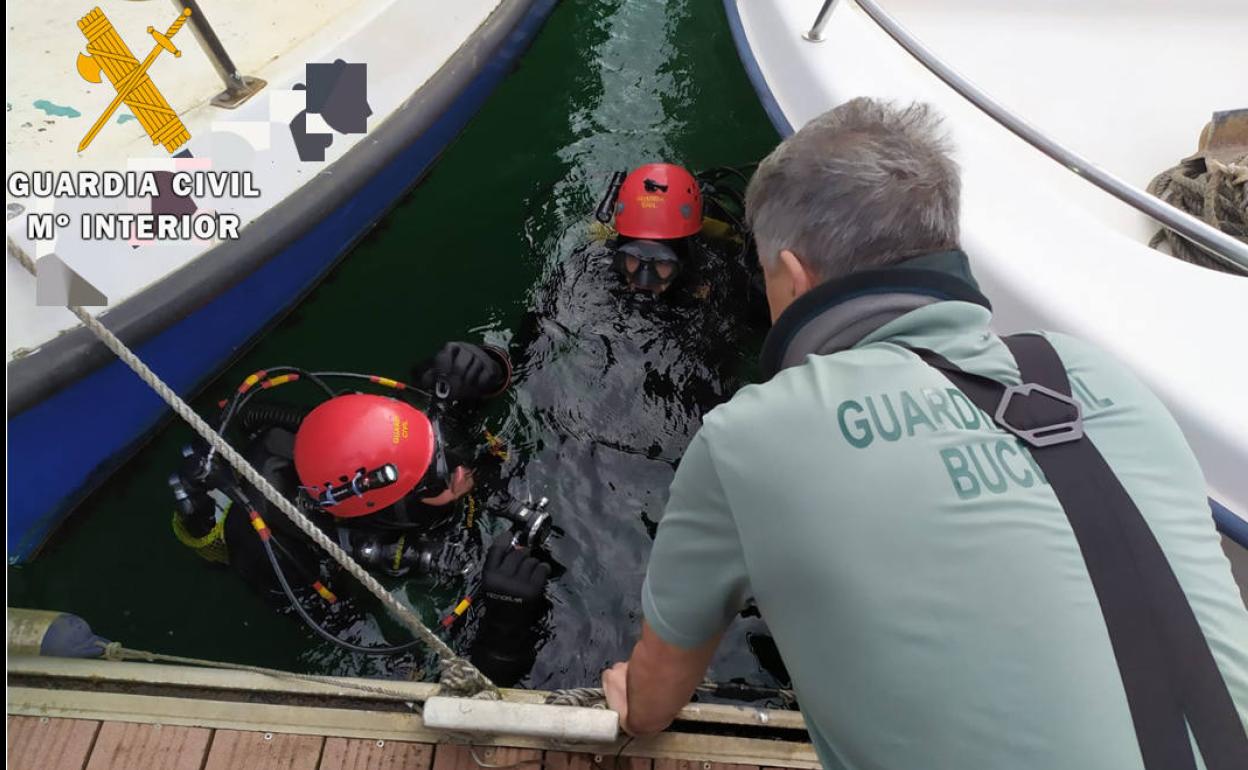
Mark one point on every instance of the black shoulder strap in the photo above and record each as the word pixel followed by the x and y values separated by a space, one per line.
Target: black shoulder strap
pixel 1171 679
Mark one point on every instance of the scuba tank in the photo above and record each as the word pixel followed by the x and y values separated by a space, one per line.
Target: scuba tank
pixel 195 509
pixel 199 510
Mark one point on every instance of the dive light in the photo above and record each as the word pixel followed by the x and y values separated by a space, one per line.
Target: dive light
pixel 364 481
pixel 606 207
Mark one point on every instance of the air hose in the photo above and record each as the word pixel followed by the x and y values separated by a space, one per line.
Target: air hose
pixel 253 417
pixel 320 630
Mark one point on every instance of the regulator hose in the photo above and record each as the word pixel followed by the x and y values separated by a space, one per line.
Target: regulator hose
pixel 320 630
pixel 254 417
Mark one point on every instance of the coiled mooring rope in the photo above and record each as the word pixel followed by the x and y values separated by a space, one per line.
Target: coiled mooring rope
pixel 593 697
pixel 1211 190
pixel 458 675
pixel 583 697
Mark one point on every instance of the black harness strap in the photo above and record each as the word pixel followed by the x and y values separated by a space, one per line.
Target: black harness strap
pixel 1168 672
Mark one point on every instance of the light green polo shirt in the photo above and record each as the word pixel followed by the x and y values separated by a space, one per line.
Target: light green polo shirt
pixel 921 581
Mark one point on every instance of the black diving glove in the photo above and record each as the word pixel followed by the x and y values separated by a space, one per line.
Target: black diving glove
pixel 470 371
pixel 513 586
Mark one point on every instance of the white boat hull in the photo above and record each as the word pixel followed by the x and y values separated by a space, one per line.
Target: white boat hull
pixel 1129 85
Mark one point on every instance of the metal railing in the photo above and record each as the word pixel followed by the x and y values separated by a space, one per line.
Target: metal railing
pixel 1229 250
pixel 238 87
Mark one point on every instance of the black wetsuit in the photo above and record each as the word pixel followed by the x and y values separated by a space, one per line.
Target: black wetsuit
pixel 441 546
pixel 610 385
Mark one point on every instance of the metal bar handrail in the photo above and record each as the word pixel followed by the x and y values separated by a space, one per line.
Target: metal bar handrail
pixel 1218 244
pixel 238 87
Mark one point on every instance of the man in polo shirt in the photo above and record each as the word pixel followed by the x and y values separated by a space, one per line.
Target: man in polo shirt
pixel 936 603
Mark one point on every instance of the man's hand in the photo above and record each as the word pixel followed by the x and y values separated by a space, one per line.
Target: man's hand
pixel 615 688
pixel 460 484
pixel 650 689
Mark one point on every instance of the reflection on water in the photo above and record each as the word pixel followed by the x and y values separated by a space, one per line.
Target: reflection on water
pixel 494 244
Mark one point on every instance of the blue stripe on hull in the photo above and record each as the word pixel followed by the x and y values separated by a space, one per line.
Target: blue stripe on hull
pixel 63 447
pixel 1229 523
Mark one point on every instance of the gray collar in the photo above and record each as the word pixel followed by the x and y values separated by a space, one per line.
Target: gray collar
pixel 845 324
pixel 839 314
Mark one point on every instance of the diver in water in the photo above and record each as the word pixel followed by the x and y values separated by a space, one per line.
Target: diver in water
pixel 629 340
pixel 663 224
pixel 379 475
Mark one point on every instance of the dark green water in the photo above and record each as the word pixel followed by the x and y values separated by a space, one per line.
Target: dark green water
pixel 494 245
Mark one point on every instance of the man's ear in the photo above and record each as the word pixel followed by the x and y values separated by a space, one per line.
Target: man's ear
pixel 801 279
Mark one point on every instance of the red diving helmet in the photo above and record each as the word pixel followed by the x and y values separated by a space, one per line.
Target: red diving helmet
pixel 658 201
pixel 359 453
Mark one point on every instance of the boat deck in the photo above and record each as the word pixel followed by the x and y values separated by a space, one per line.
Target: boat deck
pixel 47 743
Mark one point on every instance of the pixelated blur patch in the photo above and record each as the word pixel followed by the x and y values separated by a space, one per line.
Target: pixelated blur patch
pixel 234 144
pixel 310 146
pixel 58 285
pixel 335 100
pixel 338 92
pixel 166 201
pixel 285 104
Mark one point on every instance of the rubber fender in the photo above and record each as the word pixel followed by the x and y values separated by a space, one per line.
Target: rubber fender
pixel 51 634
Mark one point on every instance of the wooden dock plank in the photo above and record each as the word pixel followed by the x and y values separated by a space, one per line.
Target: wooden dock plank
pixel 356 754
pixel 44 743
pixel 124 746
pixel 684 764
pixel 236 750
pixel 562 760
pixel 449 757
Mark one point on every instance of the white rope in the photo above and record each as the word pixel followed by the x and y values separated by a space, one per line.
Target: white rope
pixel 458 675
pixel 116 651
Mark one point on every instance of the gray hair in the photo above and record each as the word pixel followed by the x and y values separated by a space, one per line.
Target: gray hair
pixel 864 185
